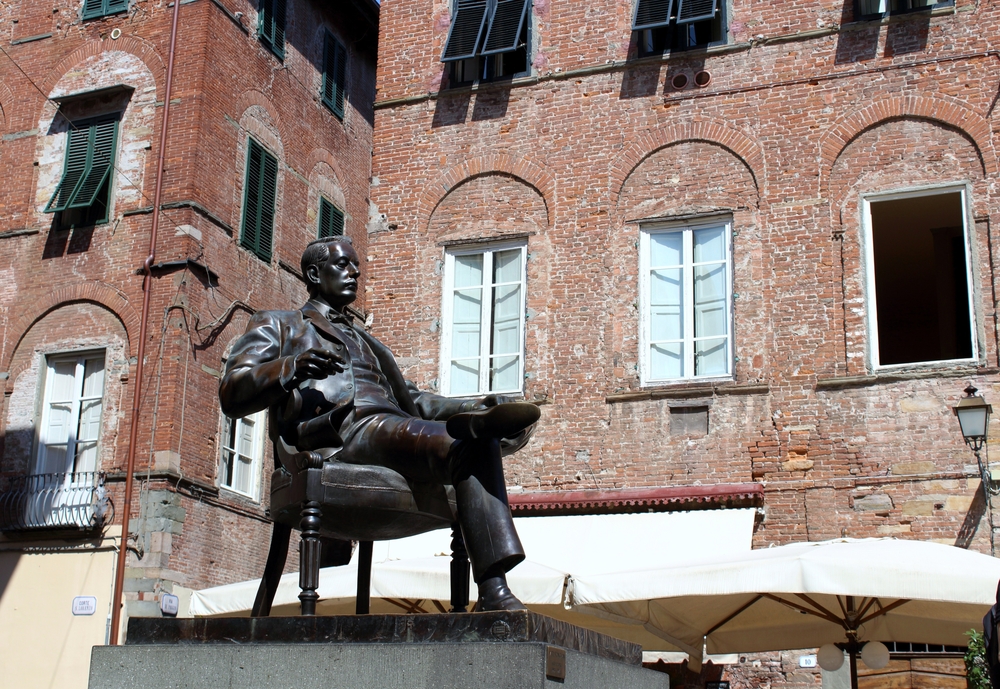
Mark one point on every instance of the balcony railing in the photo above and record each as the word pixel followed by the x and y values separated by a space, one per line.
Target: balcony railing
pixel 54 501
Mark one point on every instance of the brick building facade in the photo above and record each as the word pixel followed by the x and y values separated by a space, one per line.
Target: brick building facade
pixel 276 93
pixel 758 247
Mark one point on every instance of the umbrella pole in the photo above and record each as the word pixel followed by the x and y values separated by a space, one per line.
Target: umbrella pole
pixel 853 653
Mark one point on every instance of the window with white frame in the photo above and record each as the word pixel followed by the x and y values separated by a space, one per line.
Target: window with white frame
pixel 70 424
pixel 686 301
pixel 242 451
pixel 483 324
pixel 920 305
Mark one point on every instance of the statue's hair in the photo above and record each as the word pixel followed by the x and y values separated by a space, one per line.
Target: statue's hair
pixel 317 252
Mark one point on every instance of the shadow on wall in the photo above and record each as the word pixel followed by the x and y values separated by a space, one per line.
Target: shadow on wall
pixel 451 108
pixel 967 533
pixel 8 563
pixel 62 242
pixel 491 104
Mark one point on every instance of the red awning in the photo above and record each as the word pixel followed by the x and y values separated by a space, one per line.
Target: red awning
pixel 663 499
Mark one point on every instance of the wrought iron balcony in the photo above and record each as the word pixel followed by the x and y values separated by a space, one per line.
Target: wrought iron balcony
pixel 54 501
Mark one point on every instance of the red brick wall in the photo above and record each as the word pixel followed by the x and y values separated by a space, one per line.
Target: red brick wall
pixel 806 111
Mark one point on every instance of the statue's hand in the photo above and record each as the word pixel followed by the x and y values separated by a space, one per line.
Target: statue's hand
pixel 317 364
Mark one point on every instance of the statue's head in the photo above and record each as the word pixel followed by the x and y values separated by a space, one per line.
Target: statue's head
pixel 330 268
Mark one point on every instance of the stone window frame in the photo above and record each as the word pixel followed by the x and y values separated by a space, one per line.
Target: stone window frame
pixel 868 258
pixel 688 227
pixel 227 446
pixel 486 317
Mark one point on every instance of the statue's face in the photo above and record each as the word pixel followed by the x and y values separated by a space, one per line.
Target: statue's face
pixel 337 280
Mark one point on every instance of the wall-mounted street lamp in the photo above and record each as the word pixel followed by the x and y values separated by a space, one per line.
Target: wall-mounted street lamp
pixel 974 417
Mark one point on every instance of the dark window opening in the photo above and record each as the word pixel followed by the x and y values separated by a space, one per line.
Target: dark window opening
pixel 488 40
pixel 921 279
pixel 667 25
pixel 271 25
pixel 334 75
pixel 875 9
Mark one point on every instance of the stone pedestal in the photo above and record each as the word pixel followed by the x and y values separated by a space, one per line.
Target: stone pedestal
pixel 497 650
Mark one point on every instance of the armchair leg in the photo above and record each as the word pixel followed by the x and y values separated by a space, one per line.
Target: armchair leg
pixel 459 571
pixel 364 595
pixel 309 555
pixel 276 557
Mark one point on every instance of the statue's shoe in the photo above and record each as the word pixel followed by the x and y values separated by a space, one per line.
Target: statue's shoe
pixel 495 595
pixel 502 421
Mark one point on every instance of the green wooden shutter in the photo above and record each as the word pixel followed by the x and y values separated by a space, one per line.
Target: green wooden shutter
pixel 331 219
pixel 278 42
pixel 75 168
pixel 695 10
pixel 100 8
pixel 265 20
pixel 334 75
pixel 506 26
pixel 467 27
pixel 260 191
pixel 93 8
pixel 268 195
pixel 340 75
pixel 651 14
pixel 102 140
pixel 251 197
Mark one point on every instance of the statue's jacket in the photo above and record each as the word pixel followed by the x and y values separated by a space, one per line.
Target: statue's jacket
pixel 260 375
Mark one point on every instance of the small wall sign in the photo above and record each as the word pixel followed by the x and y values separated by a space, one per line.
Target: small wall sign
pixel 169 604
pixel 808 661
pixel 85 605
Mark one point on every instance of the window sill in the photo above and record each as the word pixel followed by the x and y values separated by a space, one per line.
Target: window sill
pixel 865 22
pixel 884 376
pixel 684 391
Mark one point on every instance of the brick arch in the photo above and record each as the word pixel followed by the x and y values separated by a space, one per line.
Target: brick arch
pixel 92 292
pixel 531 174
pixel 948 111
pixel 321 155
pixel 746 149
pixel 126 44
pixel 252 97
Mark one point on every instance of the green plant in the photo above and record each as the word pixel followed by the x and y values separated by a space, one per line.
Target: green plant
pixel 977 673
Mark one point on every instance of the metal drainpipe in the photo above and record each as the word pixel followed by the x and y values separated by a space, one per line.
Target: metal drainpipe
pixel 147 286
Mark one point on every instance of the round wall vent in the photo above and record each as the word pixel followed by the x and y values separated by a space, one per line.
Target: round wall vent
pixel 679 81
pixel 703 78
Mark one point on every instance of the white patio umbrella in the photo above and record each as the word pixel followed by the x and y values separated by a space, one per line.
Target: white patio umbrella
pixel 802 595
pixel 413 574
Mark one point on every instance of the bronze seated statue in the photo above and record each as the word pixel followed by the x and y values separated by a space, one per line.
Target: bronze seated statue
pixel 364 455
